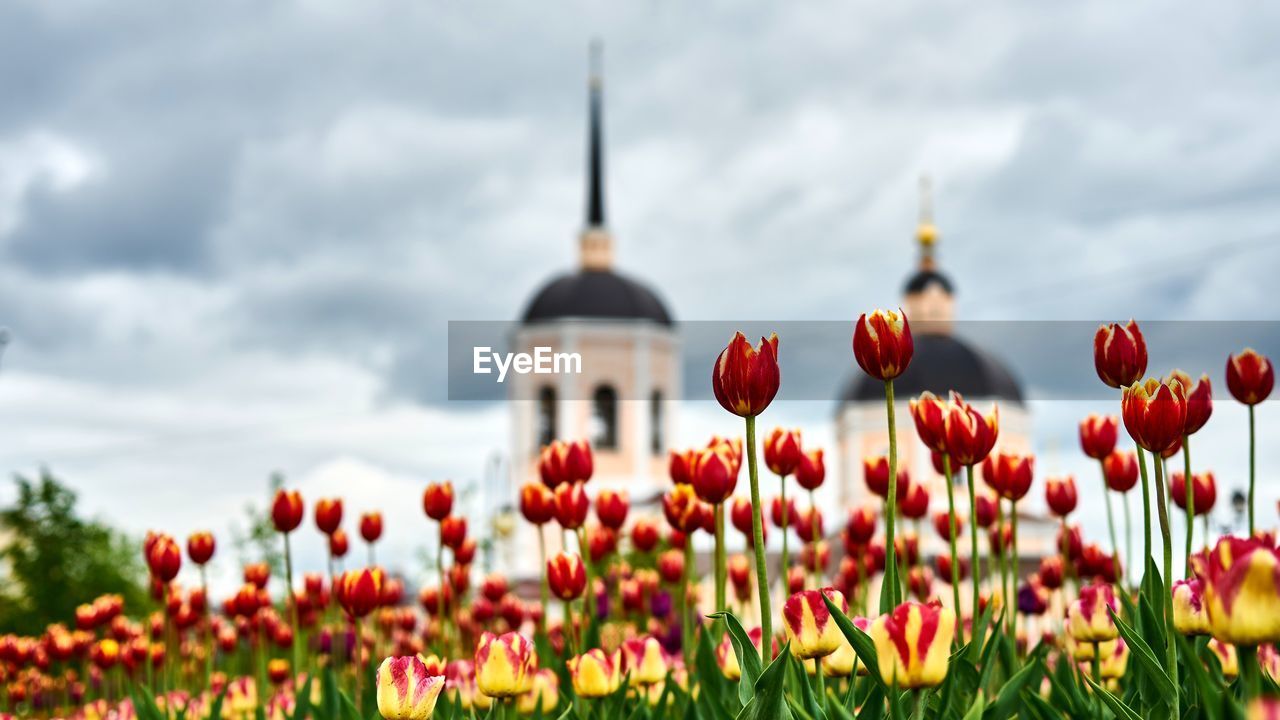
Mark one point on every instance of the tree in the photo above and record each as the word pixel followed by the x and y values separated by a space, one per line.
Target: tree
pixel 51 560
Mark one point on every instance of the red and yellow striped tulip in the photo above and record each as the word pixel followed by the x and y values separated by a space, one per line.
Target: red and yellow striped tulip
pixel 930 415
pixel 1199 394
pixel 537 503
pixel 1087 617
pixel 1242 590
pixel 544 694
pixel 1189 615
pixel 1119 354
pixel 682 508
pixel 1263 708
pixel 728 659
pixel 645 660
pixel 287 510
pixel 809 626
pixel 913 643
pixel 1154 413
pixel 360 591
pixel 572 505
pixel 596 674
pixel 782 451
pixel 970 434
pixel 841 663
pixel 612 507
pixel 745 379
pixel 200 547
pixel 715 474
pixel 505 665
pixel 1227 657
pixel 882 343
pixel 567 576
pixel 406 690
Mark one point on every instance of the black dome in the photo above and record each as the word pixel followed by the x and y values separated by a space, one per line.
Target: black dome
pixel 942 363
pixel 596 294
pixel 924 278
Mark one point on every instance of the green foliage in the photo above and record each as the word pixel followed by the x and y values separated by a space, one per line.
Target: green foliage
pixel 51 559
pixel 258 540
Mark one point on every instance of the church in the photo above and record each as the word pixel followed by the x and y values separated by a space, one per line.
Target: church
pixel 625 403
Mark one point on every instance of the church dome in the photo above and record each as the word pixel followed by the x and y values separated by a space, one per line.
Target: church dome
pixel 595 295
pixel 942 363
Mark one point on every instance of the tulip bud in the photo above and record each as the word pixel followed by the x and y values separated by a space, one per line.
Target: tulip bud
pixel 360 591
pixel 715 475
pixel 1263 707
pixel 1250 376
pixel 943 564
pixel 1119 354
pixel 164 558
pixel 328 514
pixel 809 626
pixel 566 462
pixel 915 502
pixel 985 510
pixel 505 665
pixel 728 659
pixel 612 507
pixel 200 547
pixel 929 413
pixel 338 544
pixel 882 344
pixel 1098 435
pixel 437 500
pixel 920 581
pixel 840 663
pixel 680 505
pixel 644 535
pixel 1154 413
pixel 453 531
pixel 1189 615
pixel 1120 468
pixel 596 674
pixel 1060 494
pixel 537 503
pixel 811 472
pixel 645 660
pixel 371 526
pixel 1033 597
pixel 1087 617
pixel 1051 572
pixel 680 465
pixel 808 525
pixel 782 451
pixel 970 434
pixel 781 520
pixel 671 566
pixel 1010 475
pixel 1204 491
pixel 1227 658
pixel 875 470
pixel 601 542
pixel 1199 394
pixel 1241 591
pixel 942 523
pixel 544 694
pixel 913 643
pixel 567 576
pixel 572 505
pixel 746 379
pixel 287 510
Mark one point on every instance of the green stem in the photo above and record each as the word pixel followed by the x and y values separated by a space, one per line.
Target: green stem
pixel 1012 600
pixel 293 604
pixel 955 564
pixel 891 511
pixel 1146 510
pixel 1252 468
pixel 208 629
pixel 545 589
pixel 822 683
pixel 1111 526
pixel 1189 501
pixel 997 549
pixel 1250 675
pixel 973 544
pixel 722 604
pixel 757 535
pixel 1097 676
pixel 1128 535
pixel 1171 649
pixel 786 525
pixel 817 541
pixel 589 597
pixel 440 612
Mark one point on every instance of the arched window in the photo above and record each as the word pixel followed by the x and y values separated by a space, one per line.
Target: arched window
pixel 604 418
pixel 545 426
pixel 655 423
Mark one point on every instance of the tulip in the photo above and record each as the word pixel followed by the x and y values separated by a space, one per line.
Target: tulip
pixel 782 451
pixel 728 659
pixel 164 558
pixel 969 438
pixel 915 502
pixel 942 523
pixel 942 563
pixel 875 471
pixel 537 503
pixel 453 531
pixel 882 344
pixel 745 379
pixel 338 543
pixel 1189 614
pixel 808 623
pixel 596 674
pixel 328 514
pixel 844 661
pixel 1119 354
pixel 680 505
pixel 544 694
pixel 286 510
pixel 406 691
pixel 645 660
pixel 371 530
pixel 920 581
pixel 572 505
pixel 612 507
pixel 601 542
pixel 505 665
pixel 566 462
pixel 1263 708
pixel 1060 494
pixel 1033 597
pixel 861 525
pixel 811 472
pixel 200 547
pixel 1098 435
pixel 1051 571
pixel 1087 617
pixel 1241 590
pixel 1228 658
pixel 1203 491
pixel 912 644
pixel 680 465
pixel 359 592
pixel 714 475
pixel 671 566
pixel 437 500
pixel 1155 413
pixel 929 413
pixel 1009 474
pixel 644 535
pixel 1250 378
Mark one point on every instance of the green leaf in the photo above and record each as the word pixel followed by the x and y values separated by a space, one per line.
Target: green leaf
pixel 979 634
pixel 745 651
pixel 1122 711
pixel 1147 661
pixel 768 702
pixel 302 708
pixel 978 707
pixel 1007 701
pixel 809 702
pixel 711 680
pixel 862 644
pixel 1208 693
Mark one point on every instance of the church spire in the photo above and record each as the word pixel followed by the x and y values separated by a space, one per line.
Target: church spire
pixel 595 140
pixel 926 231
pixel 595 246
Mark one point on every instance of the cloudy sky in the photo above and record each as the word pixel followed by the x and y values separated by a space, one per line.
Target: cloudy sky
pixel 232 234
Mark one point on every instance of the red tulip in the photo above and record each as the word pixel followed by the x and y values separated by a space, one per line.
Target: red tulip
pixel 287 510
pixel 811 472
pixel 682 508
pixel 1204 491
pixel 437 500
pixel 671 566
pixel 1060 494
pixel 512 610
pixel 1072 543
pixel 882 344
pixel 680 465
pixel 338 543
pixel 644 535
pixel 1098 435
pixel 360 591
pixel 1051 572
pixel 1250 376
pixel 1121 470
pixel 915 502
pixel 200 546
pixel 875 470
pixel 537 503
pixel 739 570
pixel 612 507
pixel 930 413
pixel 453 531
pixel 494 587
pixel 740 515
pixel 943 565
pixel 257 573
pixel 714 475
pixel 775 512
pixel 1199 394
pixel 371 526
pixel 572 505
pixel 746 379
pixel 861 526
pixel 1009 474
pixel 1000 537
pixel 328 514
pixel 970 435
pixel 782 451
pixel 164 557
pixel 809 525
pixel 466 552
pixel 1155 413
pixel 942 523
pixel 985 510
pixel 601 542
pixel 1120 354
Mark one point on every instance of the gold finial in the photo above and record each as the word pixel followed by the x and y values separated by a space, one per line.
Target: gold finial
pixel 926 231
